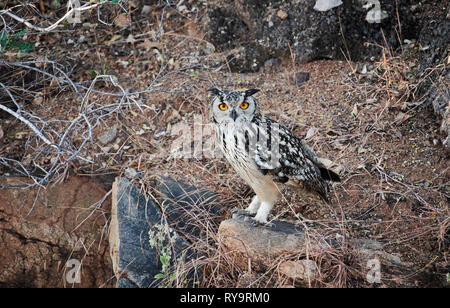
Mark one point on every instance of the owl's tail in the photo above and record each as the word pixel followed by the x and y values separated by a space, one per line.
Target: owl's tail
pixel 329 175
pixel 320 184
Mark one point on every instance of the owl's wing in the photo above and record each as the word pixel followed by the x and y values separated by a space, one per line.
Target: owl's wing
pixel 283 155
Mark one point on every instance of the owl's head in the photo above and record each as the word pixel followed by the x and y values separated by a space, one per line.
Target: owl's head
pixel 233 107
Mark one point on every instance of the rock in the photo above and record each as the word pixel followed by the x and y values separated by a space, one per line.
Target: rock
pixel 309 34
pixel 109 136
pixel 247 58
pixel 282 14
pixel 135 262
pixel 376 14
pixel 65 228
pixel 133 215
pixel 131 173
pixel 299 269
pixel 261 247
pixel 370 249
pixel 299 78
pixel 433 55
pixel 433 36
pixel 226 28
pixel 325 5
pixel 188 207
pixel 270 65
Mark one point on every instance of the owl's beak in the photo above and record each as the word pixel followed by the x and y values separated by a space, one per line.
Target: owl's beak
pixel 234 114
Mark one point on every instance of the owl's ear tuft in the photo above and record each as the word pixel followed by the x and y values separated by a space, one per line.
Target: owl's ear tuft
pixel 250 92
pixel 215 91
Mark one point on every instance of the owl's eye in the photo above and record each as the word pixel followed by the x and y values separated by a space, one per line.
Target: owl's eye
pixel 223 106
pixel 244 105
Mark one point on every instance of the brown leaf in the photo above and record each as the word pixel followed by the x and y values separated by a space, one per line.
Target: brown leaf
pixel 122 20
pixel 311 132
pixel 401 117
pixel 147 44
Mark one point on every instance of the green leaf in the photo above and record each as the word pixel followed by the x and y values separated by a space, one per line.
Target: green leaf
pixel 194 75
pixel 173 276
pixel 164 260
pixel 20 33
pixel 159 276
pixel 93 74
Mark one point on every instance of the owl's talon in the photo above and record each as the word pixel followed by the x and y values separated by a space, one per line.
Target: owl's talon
pixel 234 210
pixel 243 217
pixel 240 212
pixel 256 223
pixel 271 225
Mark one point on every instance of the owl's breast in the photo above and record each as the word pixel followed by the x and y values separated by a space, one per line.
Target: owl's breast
pixel 234 142
pixel 240 153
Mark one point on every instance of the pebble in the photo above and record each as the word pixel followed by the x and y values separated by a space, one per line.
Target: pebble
pixel 109 136
pixel 282 14
pixel 131 173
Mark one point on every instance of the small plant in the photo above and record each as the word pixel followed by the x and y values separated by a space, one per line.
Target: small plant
pixel 103 71
pixel 162 240
pixel 8 41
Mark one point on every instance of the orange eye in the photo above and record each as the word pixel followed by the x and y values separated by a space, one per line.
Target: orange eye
pixel 223 106
pixel 244 105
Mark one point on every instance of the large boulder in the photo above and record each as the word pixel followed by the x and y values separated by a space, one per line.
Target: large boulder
pixel 271 29
pixel 142 228
pixel 136 262
pixel 434 61
pixel 49 234
pixel 292 249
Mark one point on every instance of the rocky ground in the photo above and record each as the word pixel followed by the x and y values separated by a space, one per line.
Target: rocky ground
pixel 370 116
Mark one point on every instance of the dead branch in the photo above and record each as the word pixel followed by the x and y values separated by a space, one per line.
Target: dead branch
pixel 69 13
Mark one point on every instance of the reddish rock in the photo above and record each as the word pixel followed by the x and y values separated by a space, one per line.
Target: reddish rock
pixel 64 225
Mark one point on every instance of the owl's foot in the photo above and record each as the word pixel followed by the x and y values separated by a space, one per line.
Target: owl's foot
pixel 241 212
pixel 257 223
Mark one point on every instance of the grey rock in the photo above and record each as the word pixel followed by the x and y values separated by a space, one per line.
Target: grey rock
pixel 325 5
pixel 375 14
pixel 132 173
pixel 187 207
pixel 264 246
pixel 133 215
pixel 135 262
pixel 299 78
pixel 226 28
pixel 109 136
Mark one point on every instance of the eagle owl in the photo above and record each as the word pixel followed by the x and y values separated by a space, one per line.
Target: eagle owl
pixel 263 152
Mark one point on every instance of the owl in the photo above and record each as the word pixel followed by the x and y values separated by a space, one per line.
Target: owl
pixel 263 152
